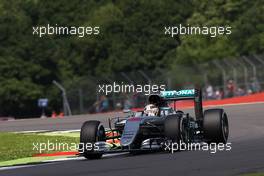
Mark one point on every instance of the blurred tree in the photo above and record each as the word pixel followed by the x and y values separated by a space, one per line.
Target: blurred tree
pixel 246 20
pixel 131 37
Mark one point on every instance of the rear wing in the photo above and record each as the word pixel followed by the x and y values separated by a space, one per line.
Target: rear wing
pixel 186 94
pixel 178 95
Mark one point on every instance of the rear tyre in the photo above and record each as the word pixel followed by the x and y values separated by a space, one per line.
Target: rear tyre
pixel 215 126
pixel 91 132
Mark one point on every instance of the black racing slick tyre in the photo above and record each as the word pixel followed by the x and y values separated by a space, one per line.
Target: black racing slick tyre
pixel 215 126
pixel 172 128
pixel 91 132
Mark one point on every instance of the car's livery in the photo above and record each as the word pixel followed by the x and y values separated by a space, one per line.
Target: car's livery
pixel 180 94
pixel 138 132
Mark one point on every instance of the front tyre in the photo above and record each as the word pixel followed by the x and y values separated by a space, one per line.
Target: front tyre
pixel 215 126
pixel 91 132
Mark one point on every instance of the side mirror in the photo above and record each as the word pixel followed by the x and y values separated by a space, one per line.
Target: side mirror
pixel 127 111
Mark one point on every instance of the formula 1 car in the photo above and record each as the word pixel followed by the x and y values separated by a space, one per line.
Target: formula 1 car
pixel 138 132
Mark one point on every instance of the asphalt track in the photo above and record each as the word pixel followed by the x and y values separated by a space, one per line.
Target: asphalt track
pixel 246 156
pixel 66 123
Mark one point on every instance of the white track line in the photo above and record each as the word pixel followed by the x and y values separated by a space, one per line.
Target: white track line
pixel 39 163
pixel 55 160
pixel 15 167
pixel 49 131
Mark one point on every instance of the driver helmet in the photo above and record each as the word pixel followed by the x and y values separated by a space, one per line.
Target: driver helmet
pixel 151 110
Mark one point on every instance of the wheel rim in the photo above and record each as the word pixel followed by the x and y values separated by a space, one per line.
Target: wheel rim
pixel 100 136
pixel 183 132
pixel 225 128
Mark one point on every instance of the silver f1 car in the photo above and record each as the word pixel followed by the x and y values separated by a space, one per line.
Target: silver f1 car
pixel 138 132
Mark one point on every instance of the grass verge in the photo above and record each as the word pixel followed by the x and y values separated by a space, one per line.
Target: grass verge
pixel 253 174
pixel 15 146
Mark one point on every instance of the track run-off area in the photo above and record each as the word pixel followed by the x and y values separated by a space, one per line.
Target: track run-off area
pixel 246 126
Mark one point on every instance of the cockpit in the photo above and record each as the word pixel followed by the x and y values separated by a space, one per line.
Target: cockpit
pixel 164 111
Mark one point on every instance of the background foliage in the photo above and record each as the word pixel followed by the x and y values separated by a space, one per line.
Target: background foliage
pixel 131 37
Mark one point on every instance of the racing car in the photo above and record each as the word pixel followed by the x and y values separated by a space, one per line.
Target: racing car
pixel 139 132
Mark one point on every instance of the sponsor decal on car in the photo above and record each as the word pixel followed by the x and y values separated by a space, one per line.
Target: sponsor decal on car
pixel 176 94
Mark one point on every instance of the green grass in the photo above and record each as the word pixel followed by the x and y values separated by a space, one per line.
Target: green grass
pixel 15 145
pixel 253 174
